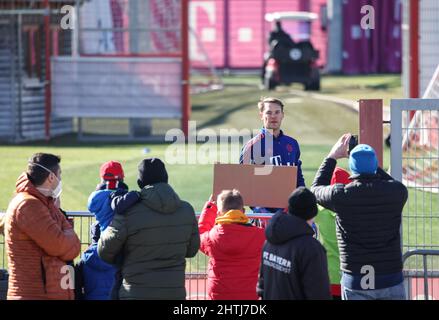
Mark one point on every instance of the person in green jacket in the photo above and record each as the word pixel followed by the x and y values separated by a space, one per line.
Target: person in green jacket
pixel 326 234
pixel 154 237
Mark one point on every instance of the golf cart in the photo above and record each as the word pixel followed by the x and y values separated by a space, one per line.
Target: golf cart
pixel 290 61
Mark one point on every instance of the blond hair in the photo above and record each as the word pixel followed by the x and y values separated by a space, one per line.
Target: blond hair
pixel 230 200
pixel 264 100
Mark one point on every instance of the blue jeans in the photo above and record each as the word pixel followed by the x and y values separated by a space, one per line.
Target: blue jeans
pixel 393 293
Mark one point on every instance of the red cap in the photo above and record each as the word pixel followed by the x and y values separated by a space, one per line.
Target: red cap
pixel 112 170
pixel 340 176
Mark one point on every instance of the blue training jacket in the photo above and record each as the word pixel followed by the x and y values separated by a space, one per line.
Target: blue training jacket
pixel 286 152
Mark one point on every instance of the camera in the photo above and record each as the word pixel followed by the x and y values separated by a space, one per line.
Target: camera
pixel 353 142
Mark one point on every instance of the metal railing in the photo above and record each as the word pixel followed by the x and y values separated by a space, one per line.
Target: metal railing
pixel 196 267
pixel 425 274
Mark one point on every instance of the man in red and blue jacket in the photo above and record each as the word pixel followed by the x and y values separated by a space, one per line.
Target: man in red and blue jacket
pixel 271 146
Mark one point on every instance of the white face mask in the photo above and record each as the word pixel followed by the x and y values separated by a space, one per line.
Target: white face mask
pixel 58 190
pixel 55 193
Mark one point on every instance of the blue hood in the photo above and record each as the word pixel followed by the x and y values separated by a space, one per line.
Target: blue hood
pixel 99 203
pixel 98 199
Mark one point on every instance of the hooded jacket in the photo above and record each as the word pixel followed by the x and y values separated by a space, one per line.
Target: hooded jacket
pixel 235 253
pixel 100 202
pixel 294 265
pixel 97 276
pixel 39 241
pixel 155 236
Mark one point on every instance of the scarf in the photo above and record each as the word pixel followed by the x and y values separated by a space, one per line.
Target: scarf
pixel 232 216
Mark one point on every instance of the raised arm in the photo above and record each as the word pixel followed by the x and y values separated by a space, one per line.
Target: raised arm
pixel 205 224
pixel 120 203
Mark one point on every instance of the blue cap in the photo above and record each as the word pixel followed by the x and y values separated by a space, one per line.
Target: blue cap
pixel 363 160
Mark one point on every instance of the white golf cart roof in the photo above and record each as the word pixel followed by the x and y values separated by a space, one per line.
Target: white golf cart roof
pixel 291 15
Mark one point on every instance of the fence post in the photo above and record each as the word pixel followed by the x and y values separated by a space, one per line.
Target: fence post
pixel 424 261
pixel 371 126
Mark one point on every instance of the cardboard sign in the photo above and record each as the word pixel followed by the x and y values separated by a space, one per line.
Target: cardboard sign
pixel 258 188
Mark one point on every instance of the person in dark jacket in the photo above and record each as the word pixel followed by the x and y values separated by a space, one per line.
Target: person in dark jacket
pixel 277 36
pixel 368 220
pixel 294 264
pixel 155 236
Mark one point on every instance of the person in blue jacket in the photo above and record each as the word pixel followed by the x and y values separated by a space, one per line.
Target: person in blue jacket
pixel 282 150
pixel 98 278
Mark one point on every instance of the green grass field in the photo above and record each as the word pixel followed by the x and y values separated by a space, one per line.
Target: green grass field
pixel 315 124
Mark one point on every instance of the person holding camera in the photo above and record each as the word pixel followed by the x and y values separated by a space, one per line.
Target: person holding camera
pixel 368 217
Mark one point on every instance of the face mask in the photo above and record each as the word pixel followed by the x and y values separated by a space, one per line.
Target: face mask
pixel 58 190
pixel 55 193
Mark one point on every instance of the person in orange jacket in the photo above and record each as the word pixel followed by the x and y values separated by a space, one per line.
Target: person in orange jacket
pixel 39 239
pixel 234 247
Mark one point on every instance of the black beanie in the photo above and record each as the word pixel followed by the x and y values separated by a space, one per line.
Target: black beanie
pixel 151 171
pixel 303 204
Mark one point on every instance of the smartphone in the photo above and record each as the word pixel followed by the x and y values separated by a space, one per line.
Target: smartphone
pixel 353 142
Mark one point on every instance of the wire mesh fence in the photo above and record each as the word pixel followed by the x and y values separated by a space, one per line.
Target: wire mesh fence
pixel 415 159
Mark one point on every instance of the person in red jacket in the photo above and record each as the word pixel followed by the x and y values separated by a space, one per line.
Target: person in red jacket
pixel 234 247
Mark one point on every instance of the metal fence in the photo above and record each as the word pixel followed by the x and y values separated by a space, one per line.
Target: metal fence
pixel 23 64
pixel 196 267
pixel 414 161
pixel 421 275
pixel 421 284
pixel 130 53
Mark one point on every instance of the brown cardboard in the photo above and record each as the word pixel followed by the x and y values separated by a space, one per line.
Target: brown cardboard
pixel 258 190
